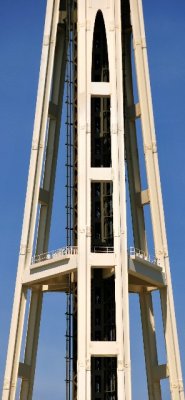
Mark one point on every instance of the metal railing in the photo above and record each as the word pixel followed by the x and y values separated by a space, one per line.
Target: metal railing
pixel 103 249
pixel 71 250
pixel 68 250
pixel 133 252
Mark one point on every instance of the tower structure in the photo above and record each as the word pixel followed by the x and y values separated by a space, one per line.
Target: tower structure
pixel 87 54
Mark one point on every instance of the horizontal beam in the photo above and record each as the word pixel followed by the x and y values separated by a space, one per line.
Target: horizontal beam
pixel 63 286
pixel 150 273
pixel 102 260
pixel 160 372
pixel 24 371
pixel 137 287
pixel 141 271
pixel 101 174
pixel 41 272
pixel 134 112
pixel 43 197
pixel 53 110
pixel 143 198
pixel 104 348
pixel 100 89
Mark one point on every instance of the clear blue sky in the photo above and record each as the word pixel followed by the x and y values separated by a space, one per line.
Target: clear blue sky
pixel 21 27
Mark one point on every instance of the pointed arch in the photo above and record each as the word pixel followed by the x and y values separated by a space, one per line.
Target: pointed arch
pixel 100 62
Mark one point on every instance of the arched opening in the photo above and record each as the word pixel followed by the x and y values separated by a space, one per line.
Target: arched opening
pixel 100 63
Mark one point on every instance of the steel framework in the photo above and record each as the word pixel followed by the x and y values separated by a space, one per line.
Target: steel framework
pixel 87 54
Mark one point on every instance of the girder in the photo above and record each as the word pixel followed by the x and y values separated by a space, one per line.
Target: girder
pixel 87 57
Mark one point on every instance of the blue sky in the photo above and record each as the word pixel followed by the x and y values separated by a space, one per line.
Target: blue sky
pixel 21 27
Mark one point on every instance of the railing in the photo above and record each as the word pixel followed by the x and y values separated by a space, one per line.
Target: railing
pixel 103 249
pixel 133 252
pixel 68 250
pixel 71 250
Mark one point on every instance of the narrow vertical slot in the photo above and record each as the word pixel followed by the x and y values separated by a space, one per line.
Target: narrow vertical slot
pixel 51 352
pixel 104 378
pixel 161 346
pixel 103 325
pixel 101 216
pixel 100 132
pixel 137 351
